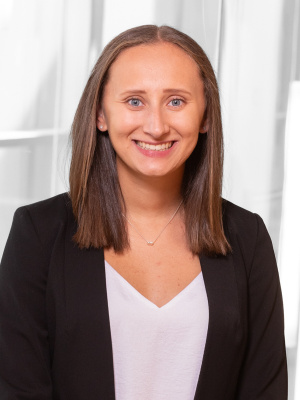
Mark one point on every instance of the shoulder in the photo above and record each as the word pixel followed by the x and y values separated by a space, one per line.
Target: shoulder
pixel 238 219
pixel 45 219
pixel 56 205
pixel 36 230
pixel 246 232
pixel 49 211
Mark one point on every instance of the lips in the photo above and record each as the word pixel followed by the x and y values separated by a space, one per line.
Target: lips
pixel 158 147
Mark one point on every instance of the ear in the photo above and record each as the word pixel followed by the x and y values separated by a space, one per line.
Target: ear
pixel 101 123
pixel 204 126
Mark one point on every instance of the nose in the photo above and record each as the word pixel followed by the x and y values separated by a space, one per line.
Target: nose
pixel 156 124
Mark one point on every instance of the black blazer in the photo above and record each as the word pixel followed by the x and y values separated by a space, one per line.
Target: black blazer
pixel 55 340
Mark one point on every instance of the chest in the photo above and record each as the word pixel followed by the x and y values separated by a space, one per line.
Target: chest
pixel 159 273
pixel 155 347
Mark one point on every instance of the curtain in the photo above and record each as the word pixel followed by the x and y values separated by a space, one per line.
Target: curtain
pixel 258 71
pixel 46 50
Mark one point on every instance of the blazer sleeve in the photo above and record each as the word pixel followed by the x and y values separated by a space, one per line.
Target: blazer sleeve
pixel 24 349
pixel 264 372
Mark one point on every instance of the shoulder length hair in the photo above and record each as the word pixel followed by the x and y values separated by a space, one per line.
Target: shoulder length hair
pixel 95 192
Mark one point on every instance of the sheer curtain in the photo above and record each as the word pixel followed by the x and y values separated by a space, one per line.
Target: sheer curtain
pixel 258 72
pixel 45 60
pixel 256 57
pixel 48 49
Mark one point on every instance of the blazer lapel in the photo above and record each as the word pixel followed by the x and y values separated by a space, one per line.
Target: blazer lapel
pixel 224 341
pixel 88 345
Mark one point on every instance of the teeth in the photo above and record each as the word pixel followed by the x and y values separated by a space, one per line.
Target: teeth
pixel 158 147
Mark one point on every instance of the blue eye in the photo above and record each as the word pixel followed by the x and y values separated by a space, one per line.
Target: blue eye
pixel 135 102
pixel 176 102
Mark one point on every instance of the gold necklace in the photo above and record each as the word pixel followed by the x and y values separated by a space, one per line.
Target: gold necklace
pixel 151 242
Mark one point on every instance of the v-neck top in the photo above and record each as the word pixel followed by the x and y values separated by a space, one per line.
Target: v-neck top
pixel 157 351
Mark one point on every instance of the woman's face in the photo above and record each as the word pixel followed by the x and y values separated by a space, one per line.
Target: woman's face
pixel 153 106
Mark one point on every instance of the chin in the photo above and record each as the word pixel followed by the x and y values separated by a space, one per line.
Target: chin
pixel 159 173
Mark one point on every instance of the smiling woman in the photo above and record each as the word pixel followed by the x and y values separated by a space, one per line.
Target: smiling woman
pixel 145 111
pixel 142 282
pixel 139 74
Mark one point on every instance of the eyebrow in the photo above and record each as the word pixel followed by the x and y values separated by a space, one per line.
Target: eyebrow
pixel 173 90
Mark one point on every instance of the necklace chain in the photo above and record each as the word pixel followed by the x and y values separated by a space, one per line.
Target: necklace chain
pixel 151 242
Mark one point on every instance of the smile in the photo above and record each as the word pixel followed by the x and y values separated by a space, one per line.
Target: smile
pixel 158 147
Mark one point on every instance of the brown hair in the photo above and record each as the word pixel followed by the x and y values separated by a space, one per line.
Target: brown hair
pixel 95 193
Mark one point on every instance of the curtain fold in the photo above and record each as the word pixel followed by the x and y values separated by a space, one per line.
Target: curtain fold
pixel 249 78
pixel 45 48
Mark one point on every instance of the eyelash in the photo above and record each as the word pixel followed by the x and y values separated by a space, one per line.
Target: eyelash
pixel 133 99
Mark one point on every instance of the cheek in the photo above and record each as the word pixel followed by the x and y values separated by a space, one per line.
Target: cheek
pixel 119 133
pixel 189 131
pixel 116 126
pixel 131 119
pixel 115 116
pixel 124 122
pixel 192 143
pixel 190 136
pixel 189 123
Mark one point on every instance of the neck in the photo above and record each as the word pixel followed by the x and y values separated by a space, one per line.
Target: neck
pixel 151 196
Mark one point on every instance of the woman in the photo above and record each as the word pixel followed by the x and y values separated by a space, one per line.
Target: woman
pixel 142 283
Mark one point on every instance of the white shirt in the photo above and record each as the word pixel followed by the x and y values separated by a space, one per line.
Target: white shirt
pixel 157 351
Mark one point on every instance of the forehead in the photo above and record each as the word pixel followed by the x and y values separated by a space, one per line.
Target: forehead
pixel 157 64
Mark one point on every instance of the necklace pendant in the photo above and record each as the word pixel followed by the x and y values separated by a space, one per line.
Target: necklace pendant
pixel 151 243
